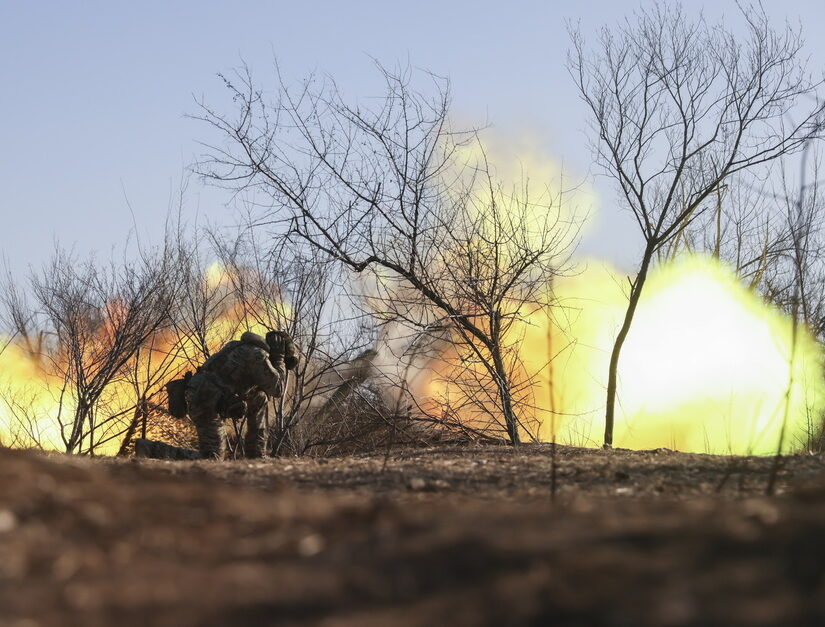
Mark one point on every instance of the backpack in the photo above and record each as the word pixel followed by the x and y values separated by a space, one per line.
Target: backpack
pixel 216 361
pixel 176 396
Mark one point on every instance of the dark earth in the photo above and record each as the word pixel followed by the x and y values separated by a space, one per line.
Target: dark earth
pixel 472 535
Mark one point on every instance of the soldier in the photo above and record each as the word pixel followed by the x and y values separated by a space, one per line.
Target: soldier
pixel 238 381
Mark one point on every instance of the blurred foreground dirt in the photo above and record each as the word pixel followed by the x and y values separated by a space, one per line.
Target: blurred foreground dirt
pixel 450 536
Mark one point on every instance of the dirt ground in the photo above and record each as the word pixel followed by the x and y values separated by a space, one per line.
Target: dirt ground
pixel 443 536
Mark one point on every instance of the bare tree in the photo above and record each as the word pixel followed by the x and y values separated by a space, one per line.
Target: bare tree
pixel 770 233
pixel 204 302
pixel 26 340
pixel 391 191
pixel 153 364
pixel 798 279
pixel 677 107
pixel 297 290
pixel 97 318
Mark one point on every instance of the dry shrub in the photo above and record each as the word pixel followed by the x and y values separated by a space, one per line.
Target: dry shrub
pixel 175 431
pixel 363 422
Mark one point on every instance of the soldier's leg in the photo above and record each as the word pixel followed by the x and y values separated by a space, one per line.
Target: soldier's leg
pixel 202 399
pixel 211 435
pixel 255 439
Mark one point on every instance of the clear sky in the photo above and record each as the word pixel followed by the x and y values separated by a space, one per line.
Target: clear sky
pixel 94 95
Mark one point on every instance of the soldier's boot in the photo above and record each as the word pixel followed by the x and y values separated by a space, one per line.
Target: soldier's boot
pixel 159 450
pixel 255 438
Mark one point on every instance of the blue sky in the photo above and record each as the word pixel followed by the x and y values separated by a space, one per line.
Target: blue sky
pixel 93 128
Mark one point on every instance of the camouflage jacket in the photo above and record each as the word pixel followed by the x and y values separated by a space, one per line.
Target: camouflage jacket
pixel 243 365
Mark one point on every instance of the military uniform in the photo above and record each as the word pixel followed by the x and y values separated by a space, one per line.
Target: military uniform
pixel 237 381
pixel 243 376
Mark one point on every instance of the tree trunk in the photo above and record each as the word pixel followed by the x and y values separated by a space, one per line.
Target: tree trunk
pixel 510 419
pixel 612 374
pixel 144 417
pixel 79 419
pixel 141 411
pixel 130 433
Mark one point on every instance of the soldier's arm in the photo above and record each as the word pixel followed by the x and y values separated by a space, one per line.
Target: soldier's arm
pixel 266 375
pixel 282 349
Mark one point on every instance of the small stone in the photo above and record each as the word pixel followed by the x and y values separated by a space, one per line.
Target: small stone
pixel 310 545
pixel 761 511
pixel 417 484
pixel 621 475
pixel 8 521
